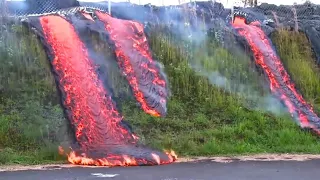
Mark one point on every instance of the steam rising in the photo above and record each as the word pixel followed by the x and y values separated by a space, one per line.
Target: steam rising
pixel 186 25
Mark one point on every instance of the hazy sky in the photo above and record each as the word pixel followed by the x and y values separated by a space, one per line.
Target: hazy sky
pixel 227 3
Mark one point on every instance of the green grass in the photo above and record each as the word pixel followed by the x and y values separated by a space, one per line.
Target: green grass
pixel 296 54
pixel 31 120
pixel 203 118
pixel 206 120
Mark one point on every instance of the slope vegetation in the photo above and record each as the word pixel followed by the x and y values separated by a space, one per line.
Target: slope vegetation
pixel 219 102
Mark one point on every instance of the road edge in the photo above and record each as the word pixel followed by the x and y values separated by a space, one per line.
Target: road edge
pixel 218 159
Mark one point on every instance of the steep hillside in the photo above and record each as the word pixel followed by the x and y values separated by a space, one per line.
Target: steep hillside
pixel 219 105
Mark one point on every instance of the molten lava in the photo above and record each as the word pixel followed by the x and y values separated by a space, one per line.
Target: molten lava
pixel 102 138
pixel 280 83
pixel 135 60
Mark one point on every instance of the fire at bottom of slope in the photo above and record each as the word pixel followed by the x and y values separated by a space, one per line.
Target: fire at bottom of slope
pixel 280 83
pixel 101 136
pixel 120 155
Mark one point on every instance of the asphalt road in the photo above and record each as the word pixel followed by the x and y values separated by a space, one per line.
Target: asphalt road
pixel 204 170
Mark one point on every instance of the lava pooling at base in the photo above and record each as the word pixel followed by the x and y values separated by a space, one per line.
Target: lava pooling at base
pixel 101 137
pixel 133 54
pixel 280 82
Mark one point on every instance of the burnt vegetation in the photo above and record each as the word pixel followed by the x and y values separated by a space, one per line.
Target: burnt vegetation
pixel 205 116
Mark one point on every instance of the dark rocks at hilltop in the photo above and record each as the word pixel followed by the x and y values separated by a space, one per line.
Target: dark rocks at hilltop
pixel 314 37
pixel 215 16
pixel 303 10
pixel 38 6
pixel 308 20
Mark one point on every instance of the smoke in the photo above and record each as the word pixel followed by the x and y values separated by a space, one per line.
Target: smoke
pixel 260 97
pixel 263 102
pixel 186 25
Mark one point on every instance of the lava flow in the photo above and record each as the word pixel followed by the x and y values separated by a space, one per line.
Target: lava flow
pixel 135 60
pixel 280 83
pixel 101 137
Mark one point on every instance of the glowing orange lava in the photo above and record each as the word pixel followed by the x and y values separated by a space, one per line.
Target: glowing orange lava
pixel 117 160
pixel 135 60
pixel 99 131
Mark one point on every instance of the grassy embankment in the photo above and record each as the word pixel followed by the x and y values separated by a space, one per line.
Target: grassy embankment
pixel 202 119
pixel 296 54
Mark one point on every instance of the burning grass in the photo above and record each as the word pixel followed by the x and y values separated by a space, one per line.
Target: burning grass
pixel 202 118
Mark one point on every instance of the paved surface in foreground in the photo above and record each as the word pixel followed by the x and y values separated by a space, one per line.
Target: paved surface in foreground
pixel 201 170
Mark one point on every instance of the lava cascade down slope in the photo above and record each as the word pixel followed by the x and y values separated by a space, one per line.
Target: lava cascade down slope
pixel 101 136
pixel 135 60
pixel 280 83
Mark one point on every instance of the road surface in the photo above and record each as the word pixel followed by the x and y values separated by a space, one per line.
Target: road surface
pixel 199 170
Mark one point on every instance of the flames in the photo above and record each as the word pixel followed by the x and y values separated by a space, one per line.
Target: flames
pixel 117 160
pixel 90 108
pixel 99 132
pixel 280 83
